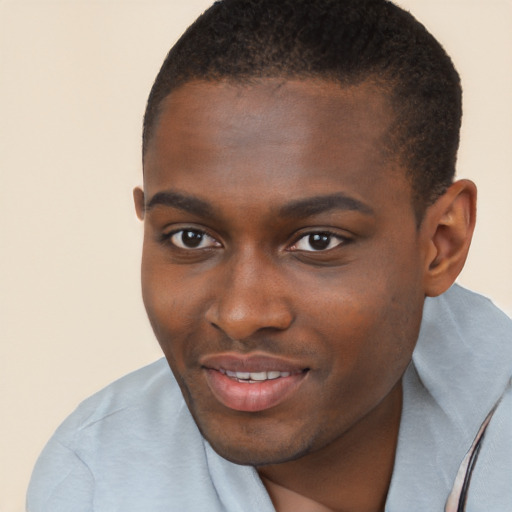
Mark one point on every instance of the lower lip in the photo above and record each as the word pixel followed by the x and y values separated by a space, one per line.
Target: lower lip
pixel 252 396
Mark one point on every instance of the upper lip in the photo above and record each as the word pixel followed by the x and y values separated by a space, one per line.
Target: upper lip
pixel 250 363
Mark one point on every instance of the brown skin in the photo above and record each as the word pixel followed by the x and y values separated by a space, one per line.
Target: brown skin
pixel 349 313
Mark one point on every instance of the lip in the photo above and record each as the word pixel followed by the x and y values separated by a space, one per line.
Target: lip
pixel 250 363
pixel 251 396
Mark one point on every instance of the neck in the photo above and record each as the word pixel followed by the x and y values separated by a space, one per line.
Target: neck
pixel 352 474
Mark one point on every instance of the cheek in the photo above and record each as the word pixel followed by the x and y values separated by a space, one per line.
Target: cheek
pixel 166 288
pixel 369 323
pixel 171 308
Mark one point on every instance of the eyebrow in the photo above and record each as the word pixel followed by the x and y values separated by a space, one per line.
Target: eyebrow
pixel 300 208
pixel 183 202
pixel 320 204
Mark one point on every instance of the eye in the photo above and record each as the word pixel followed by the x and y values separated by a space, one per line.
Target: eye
pixel 320 241
pixel 190 239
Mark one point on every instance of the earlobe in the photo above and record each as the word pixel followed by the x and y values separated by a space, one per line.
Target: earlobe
pixel 449 224
pixel 138 199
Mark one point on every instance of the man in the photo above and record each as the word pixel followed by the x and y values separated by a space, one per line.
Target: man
pixel 302 234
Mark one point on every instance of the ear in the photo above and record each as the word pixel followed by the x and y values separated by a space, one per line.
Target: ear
pixel 138 199
pixel 448 226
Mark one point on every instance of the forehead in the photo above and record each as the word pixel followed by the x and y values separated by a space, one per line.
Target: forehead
pixel 290 135
pixel 280 109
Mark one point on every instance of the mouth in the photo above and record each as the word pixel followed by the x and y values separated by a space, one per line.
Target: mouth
pixel 252 383
pixel 253 377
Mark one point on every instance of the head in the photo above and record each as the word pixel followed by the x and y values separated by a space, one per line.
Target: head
pixel 299 206
pixel 343 41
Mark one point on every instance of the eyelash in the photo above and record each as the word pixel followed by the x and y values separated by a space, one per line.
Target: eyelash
pixel 323 236
pixel 199 235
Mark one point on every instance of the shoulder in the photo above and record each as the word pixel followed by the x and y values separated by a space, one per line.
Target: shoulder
pixel 142 389
pixel 128 425
pixel 465 344
pixel 464 354
pixel 143 397
pixel 471 311
pixel 461 367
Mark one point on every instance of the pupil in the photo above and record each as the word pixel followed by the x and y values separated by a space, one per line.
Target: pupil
pixel 191 238
pixel 319 241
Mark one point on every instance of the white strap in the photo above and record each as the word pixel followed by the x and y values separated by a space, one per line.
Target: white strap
pixel 456 501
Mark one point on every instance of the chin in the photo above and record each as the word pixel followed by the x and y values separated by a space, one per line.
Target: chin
pixel 255 457
pixel 258 449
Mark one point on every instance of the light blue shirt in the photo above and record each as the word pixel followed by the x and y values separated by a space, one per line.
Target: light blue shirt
pixel 134 447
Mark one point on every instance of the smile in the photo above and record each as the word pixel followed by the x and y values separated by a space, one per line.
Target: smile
pixel 250 394
pixel 252 377
pixel 252 383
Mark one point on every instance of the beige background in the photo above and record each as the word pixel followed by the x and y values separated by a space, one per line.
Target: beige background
pixel 74 79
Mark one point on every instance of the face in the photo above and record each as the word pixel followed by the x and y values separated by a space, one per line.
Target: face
pixel 282 265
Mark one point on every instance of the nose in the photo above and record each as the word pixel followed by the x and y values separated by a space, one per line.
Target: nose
pixel 250 297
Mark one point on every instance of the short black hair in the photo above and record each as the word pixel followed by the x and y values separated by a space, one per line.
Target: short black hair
pixel 345 41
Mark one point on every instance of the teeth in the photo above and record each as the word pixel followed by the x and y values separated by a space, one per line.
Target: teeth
pixel 259 376
pixel 254 376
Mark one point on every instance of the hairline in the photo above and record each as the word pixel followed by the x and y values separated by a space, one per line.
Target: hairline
pixel 372 78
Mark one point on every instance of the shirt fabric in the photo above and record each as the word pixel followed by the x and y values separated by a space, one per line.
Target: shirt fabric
pixel 134 447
